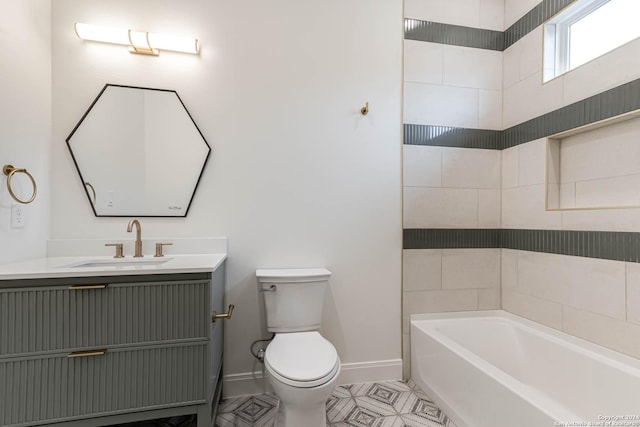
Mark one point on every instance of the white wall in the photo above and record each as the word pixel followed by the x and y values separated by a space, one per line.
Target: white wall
pixel 298 177
pixel 25 122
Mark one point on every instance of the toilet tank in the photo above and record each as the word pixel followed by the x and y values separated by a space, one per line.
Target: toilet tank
pixel 293 298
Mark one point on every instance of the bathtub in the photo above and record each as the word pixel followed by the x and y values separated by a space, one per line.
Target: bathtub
pixel 495 369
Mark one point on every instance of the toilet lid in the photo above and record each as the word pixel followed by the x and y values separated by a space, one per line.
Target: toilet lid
pixel 301 356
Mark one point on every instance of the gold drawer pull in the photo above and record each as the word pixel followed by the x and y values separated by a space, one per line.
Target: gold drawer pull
pixel 86 353
pixel 227 316
pixel 80 287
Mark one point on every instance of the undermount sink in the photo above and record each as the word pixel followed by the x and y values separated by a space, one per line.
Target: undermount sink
pixel 141 262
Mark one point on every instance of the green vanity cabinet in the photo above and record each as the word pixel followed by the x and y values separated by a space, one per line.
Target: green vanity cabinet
pixel 96 351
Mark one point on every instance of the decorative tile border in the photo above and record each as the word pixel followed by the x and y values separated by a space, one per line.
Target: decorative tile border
pixel 436 32
pixel 456 35
pixel 613 102
pixel 450 238
pixel 612 245
pixel 447 136
pixel 618 246
pixel 533 19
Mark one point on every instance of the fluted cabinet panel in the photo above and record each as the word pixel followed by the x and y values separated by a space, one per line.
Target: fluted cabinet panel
pixel 35 390
pixel 42 319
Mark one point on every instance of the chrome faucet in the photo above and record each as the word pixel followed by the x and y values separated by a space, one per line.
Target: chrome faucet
pixel 138 252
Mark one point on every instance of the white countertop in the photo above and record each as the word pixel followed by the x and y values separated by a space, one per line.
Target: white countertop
pixel 58 267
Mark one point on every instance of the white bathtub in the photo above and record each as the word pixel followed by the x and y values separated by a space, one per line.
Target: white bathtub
pixel 495 369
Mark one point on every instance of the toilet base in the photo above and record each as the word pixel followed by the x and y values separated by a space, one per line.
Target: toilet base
pixel 291 416
pixel 302 406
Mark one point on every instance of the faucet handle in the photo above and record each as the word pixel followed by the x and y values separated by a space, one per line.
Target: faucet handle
pixel 118 246
pixel 159 249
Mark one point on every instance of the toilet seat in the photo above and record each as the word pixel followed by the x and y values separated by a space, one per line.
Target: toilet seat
pixel 302 359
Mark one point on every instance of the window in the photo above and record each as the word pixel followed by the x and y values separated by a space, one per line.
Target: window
pixel 588 29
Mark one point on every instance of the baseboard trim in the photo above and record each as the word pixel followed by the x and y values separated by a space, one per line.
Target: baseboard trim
pixel 364 372
pixel 250 383
pixel 244 384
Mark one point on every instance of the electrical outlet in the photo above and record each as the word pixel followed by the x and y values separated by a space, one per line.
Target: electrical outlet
pixel 18 216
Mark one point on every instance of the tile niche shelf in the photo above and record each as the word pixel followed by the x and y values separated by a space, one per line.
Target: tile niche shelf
pixel 595 166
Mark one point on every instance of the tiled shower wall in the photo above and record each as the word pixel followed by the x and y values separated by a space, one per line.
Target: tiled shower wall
pixel 595 299
pixel 451 187
pixel 455 187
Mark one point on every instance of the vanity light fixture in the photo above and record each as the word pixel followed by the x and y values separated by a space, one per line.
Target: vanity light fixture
pixel 138 41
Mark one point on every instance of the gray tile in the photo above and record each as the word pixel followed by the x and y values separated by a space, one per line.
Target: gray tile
pixel 339 409
pixel 341 392
pixel 375 406
pixel 229 405
pixel 436 32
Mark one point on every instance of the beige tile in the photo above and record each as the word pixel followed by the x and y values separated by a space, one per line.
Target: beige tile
pixel 606 152
pixel 490 109
pixel 428 104
pixel 438 302
pixel 532 162
pixel 567 196
pixel 553 161
pixel 423 62
pixel 489 208
pixel 472 68
pixel 511 66
pixel 470 168
pixel 603 219
pixel 615 334
pixel 618 191
pixel 596 285
pixel 422 166
pixel 596 76
pixel 470 268
pixel 633 292
pixel 510 172
pixel 516 9
pixel 509 267
pixel 531 53
pixel 489 299
pixel 536 309
pixel 524 207
pixel 529 98
pixel 492 14
pixel 457 12
pixel 440 208
pixel 421 269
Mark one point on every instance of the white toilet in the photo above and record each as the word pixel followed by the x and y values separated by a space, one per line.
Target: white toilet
pixel 302 366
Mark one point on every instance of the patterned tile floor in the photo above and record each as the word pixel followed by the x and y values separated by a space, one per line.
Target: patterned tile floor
pixel 380 404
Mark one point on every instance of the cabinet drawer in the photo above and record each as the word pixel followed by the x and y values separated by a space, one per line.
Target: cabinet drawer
pixel 61 318
pixel 38 390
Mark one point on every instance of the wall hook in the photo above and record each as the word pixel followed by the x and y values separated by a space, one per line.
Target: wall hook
pixel 365 110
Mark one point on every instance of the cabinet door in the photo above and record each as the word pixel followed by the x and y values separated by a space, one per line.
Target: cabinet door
pixel 57 387
pixel 64 318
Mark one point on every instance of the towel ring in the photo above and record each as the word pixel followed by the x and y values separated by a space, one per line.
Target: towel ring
pixel 93 191
pixel 9 171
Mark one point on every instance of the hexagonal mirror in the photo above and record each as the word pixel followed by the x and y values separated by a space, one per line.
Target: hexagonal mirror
pixel 138 153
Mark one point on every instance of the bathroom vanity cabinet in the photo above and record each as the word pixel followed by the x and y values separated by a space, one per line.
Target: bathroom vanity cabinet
pixel 101 350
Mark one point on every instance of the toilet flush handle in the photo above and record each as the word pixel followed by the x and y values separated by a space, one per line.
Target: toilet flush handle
pixel 271 288
pixel 215 316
